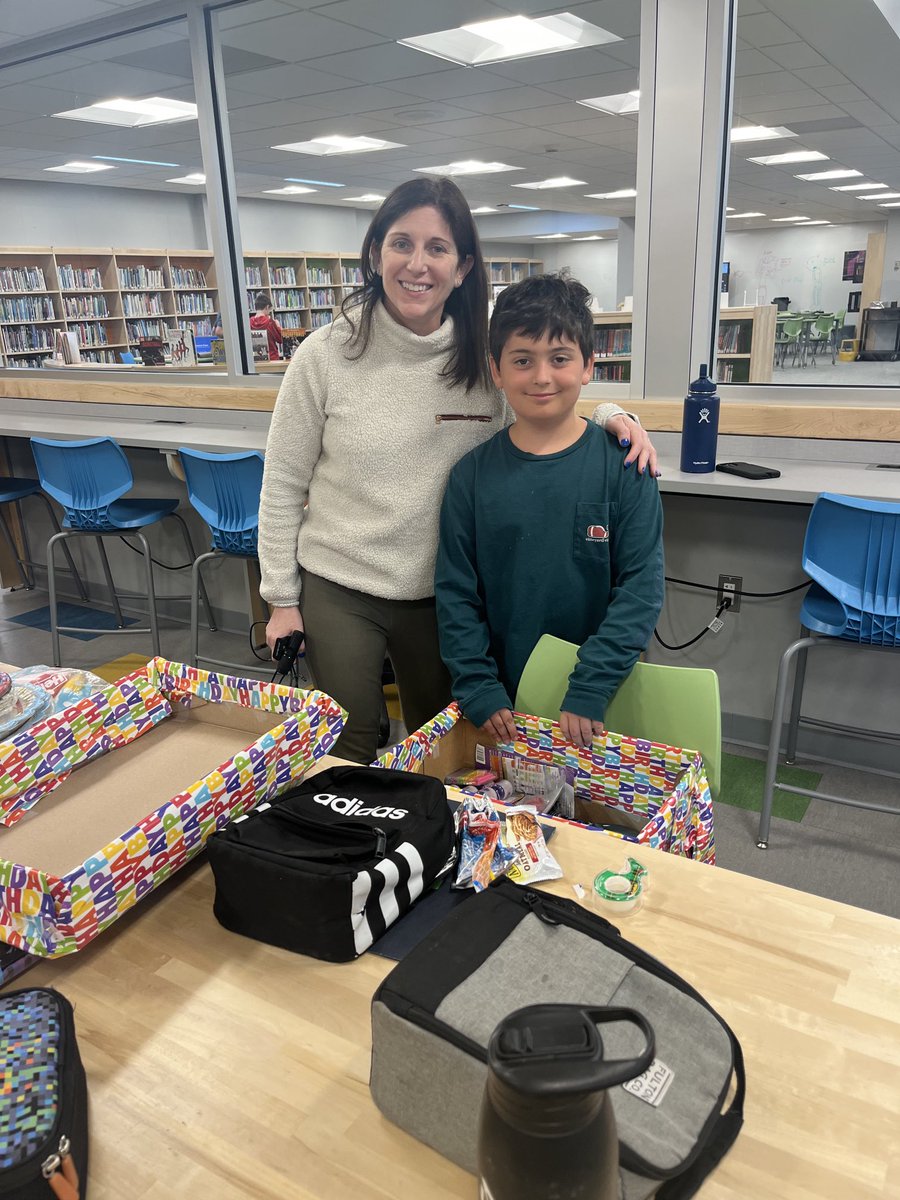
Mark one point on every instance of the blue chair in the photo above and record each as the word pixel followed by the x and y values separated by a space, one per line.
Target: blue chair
pixel 88 478
pixel 224 489
pixel 852 554
pixel 127 358
pixel 12 491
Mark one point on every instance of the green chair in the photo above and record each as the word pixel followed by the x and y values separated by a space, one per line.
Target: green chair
pixel 821 336
pixel 789 333
pixel 678 706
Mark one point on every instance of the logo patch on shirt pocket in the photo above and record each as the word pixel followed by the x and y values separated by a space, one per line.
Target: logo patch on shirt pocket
pixel 593 529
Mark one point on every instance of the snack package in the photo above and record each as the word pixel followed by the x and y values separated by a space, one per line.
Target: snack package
pixel 540 784
pixel 64 685
pixel 482 854
pixel 469 778
pixel 523 836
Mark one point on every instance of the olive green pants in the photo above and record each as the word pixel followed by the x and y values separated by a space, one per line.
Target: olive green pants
pixel 347 636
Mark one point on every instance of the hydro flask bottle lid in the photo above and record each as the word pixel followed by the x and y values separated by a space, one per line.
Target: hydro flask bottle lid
pixel 704 383
pixel 554 1050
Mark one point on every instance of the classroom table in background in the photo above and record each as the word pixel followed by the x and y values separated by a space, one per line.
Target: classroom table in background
pixel 220 1068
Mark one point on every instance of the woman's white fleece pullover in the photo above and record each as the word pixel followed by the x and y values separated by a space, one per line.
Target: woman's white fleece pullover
pixel 368 443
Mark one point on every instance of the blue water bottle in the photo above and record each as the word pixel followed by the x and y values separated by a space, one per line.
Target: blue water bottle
pixel 700 425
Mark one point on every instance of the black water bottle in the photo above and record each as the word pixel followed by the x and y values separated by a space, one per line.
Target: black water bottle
pixel 548 1131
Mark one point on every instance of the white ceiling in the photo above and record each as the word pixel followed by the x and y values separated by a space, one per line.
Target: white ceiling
pixel 297 69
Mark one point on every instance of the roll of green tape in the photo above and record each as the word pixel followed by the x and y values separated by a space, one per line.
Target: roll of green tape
pixel 620 892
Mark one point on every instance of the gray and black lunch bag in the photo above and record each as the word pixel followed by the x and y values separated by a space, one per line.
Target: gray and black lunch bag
pixel 510 947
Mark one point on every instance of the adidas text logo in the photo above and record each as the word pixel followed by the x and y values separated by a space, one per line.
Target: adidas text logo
pixel 354 808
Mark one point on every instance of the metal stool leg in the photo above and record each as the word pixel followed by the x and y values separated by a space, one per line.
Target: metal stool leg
pixel 790 752
pixel 7 534
pixel 82 591
pixel 51 589
pixel 765 815
pixel 196 581
pixel 151 591
pixel 186 533
pixel 117 609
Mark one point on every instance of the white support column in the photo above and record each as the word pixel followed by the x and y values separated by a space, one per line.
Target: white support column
pixel 683 142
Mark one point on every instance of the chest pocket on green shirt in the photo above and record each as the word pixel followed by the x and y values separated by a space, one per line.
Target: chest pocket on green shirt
pixel 592 532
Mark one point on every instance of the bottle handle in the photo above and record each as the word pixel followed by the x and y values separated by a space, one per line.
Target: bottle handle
pixel 620 1070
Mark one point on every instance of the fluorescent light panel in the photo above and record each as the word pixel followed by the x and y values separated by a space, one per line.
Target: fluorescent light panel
pixel 338 144
pixel 80 168
pixel 524 207
pixel 469 166
pixel 882 196
pixel 775 220
pixel 821 221
pixel 837 173
pixel 485 208
pixel 619 105
pixel 560 181
pixel 136 114
pixel 548 237
pixel 508 38
pixel 746 214
pixel 314 182
pixel 591 237
pixel 858 187
pixel 893 204
pixel 792 156
pixel 292 189
pixel 622 194
pixel 197 178
pixel 365 198
pixel 143 162
pixel 760 133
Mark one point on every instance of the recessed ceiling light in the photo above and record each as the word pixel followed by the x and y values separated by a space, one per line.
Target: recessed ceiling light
pixel 338 144
pixel 143 162
pixel 893 204
pixel 469 166
pixel 619 105
pixel 621 194
pixel 365 198
pixel 292 189
pixel 155 110
pixel 591 237
pixel 485 208
pixel 524 207
pixel 560 181
pixel 776 219
pixel 746 214
pixel 314 182
pixel 837 173
pixel 882 196
pixel 547 237
pixel 760 133
pixel 80 168
pixel 510 37
pixel 792 156
pixel 858 187
pixel 196 178
pixel 821 221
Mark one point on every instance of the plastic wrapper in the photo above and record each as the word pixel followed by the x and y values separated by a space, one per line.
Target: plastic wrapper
pixel 482 853
pixel 524 838
pixel 64 686
pixel 541 784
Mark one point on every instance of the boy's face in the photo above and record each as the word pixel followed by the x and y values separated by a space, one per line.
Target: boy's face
pixel 542 378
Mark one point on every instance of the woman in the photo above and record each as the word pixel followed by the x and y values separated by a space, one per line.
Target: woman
pixel 373 412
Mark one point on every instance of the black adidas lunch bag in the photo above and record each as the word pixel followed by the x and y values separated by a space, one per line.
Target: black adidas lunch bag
pixel 329 865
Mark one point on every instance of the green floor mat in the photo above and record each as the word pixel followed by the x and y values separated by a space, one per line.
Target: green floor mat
pixel 742 786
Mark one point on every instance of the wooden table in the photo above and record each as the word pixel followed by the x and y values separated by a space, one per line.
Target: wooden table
pixel 222 1069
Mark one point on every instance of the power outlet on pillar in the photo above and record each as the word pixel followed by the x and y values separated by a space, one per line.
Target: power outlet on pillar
pixel 730 590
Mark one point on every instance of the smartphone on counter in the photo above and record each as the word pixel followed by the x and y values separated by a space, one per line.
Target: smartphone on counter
pixel 748 470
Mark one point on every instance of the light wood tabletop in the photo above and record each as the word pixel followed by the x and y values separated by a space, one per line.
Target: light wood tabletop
pixel 222 1069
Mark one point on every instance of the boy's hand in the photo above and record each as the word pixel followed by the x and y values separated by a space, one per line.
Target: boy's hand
pixel 579 730
pixel 501 726
pixel 630 433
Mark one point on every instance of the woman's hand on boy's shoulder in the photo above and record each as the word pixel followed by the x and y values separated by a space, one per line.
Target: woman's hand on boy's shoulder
pixel 640 449
pixel 580 731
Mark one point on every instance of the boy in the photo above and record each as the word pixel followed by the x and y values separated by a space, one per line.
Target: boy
pixel 541 529
pixel 263 319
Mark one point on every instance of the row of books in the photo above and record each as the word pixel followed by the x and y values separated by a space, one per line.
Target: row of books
pixel 321 297
pixel 725 373
pixel 620 372
pixel 351 275
pixel 89 333
pixel 194 302
pixel 609 341
pixel 142 329
pixel 188 277
pixel 27 308
pixel 318 275
pixel 318 319
pixel 22 279
pixel 141 276
pixel 282 275
pixel 27 337
pixel 253 276
pixel 79 277
pixel 27 362
pixel 143 304
pixel 734 338
pixel 85 306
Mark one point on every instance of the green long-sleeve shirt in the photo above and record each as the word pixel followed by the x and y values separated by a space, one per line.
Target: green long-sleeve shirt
pixel 568 544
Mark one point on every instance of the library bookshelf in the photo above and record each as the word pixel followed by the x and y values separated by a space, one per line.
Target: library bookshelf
pixel 110 298
pixel 746 345
pixel 306 288
pixel 503 271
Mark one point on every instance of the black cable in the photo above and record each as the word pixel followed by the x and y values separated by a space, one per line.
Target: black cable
pixel 253 647
pixel 155 561
pixel 703 632
pixel 708 587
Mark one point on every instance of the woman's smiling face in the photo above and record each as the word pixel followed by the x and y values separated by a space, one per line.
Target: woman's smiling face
pixel 419 266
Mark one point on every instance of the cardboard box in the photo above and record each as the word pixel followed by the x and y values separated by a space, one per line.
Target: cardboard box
pixel 658 794
pixel 179 752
